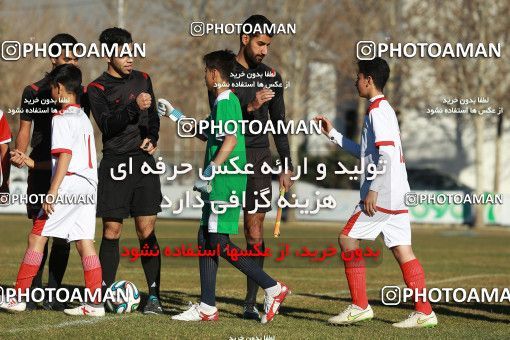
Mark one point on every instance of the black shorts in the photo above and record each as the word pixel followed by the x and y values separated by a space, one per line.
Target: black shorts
pixel 38 184
pixel 258 181
pixel 135 195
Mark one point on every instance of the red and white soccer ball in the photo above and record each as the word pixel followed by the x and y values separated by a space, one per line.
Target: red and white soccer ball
pixel 125 297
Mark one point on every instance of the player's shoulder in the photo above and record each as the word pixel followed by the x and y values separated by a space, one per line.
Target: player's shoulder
pixel 265 67
pixel 139 74
pixel 73 117
pixel 238 67
pixel 269 71
pixel 232 98
pixel 97 84
pixel 227 103
pixel 227 98
pixel 224 97
pixel 34 88
pixel 379 106
pixel 69 112
pixel 58 118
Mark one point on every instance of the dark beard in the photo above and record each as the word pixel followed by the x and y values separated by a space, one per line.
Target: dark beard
pixel 250 59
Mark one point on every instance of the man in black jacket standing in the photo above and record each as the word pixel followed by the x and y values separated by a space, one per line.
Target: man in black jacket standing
pixel 123 105
pixel 252 83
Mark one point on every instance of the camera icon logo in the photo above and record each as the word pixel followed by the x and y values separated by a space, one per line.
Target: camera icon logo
pixel 366 50
pixel 411 199
pixel 11 50
pixel 197 29
pixel 390 295
pixel 4 199
pixel 187 127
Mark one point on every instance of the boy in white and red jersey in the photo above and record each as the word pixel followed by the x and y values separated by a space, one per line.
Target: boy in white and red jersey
pixel 68 212
pixel 382 208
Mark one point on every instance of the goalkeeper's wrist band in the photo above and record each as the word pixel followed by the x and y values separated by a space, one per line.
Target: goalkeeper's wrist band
pixel 209 170
pixel 202 186
pixel 177 115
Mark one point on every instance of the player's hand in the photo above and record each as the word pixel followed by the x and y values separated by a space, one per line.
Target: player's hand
pixel 17 158
pixel 370 203
pixel 261 97
pixel 164 107
pixel 325 123
pixel 49 208
pixel 29 162
pixel 202 186
pixel 144 101
pixel 148 147
pixel 286 181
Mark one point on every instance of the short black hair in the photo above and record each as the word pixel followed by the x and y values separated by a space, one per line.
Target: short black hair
pixel 67 75
pixel 222 60
pixel 61 39
pixel 115 35
pixel 376 68
pixel 256 19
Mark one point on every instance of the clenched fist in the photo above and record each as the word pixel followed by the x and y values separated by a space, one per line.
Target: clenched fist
pixel 144 101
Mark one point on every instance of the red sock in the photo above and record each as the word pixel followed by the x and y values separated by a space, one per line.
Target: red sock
pixel 414 277
pixel 28 269
pixel 355 273
pixel 92 273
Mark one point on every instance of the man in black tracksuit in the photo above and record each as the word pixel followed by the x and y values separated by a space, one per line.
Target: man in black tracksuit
pixel 123 105
pixel 253 83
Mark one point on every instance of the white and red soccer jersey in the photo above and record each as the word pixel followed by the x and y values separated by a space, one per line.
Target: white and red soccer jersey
pixel 380 140
pixel 381 134
pixel 72 133
pixel 5 137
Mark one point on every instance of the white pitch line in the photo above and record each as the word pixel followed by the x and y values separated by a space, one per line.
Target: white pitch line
pixel 66 324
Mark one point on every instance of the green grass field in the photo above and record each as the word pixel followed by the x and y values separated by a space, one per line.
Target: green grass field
pixel 450 257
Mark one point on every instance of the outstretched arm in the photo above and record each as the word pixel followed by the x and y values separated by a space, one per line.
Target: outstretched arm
pixel 336 137
pixel 165 109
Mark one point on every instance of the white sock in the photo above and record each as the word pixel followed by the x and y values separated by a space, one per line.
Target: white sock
pixel 95 305
pixel 273 291
pixel 206 308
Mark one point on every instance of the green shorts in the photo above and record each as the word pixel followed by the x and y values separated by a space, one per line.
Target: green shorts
pixel 223 223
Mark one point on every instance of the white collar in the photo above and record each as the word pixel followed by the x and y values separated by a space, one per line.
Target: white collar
pixel 376 97
pixel 223 95
pixel 71 108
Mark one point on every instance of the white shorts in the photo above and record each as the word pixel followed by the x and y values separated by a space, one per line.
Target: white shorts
pixel 395 226
pixel 71 222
